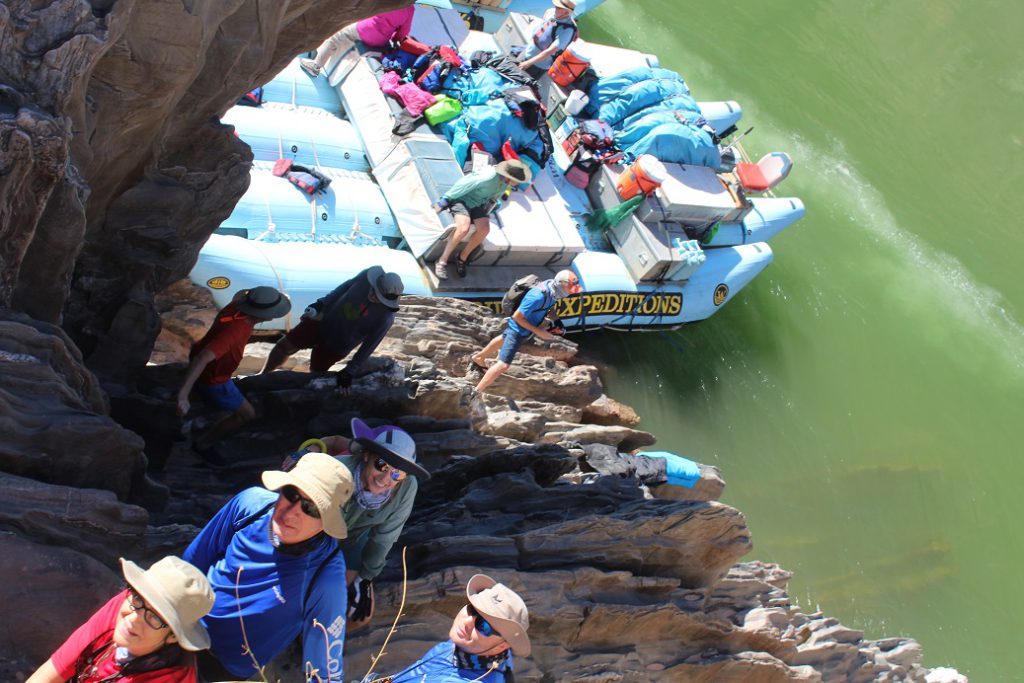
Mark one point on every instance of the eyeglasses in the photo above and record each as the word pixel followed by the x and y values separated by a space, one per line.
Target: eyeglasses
pixel 292 495
pixel 483 626
pixel 152 619
pixel 382 466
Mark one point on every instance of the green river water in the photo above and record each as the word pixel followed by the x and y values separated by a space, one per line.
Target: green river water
pixel 864 396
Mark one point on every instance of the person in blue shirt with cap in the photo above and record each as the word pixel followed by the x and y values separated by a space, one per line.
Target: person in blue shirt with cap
pixel 524 323
pixel 359 312
pixel 483 638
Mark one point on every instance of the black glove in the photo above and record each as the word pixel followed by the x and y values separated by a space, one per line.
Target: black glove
pixel 360 599
pixel 343 378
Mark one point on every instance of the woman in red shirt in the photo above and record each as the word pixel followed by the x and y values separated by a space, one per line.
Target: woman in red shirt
pixel 144 634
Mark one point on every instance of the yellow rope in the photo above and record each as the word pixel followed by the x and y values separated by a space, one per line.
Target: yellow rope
pixel 405 578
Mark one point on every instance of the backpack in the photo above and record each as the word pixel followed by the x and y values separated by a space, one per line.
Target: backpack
pixel 309 180
pixel 514 296
pixel 253 98
pixel 595 133
pixel 432 68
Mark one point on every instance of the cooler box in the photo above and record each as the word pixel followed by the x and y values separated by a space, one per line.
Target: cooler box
pixel 601 189
pixel 695 195
pixel 649 251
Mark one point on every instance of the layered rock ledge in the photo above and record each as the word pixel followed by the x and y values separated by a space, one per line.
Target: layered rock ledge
pixel 625 582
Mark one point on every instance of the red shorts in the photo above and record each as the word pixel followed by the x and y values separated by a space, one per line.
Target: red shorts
pixel 306 335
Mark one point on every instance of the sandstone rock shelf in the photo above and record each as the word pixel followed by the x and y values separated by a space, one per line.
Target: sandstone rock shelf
pixel 625 582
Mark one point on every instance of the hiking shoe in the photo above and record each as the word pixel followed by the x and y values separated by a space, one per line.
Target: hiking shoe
pixel 460 267
pixel 310 66
pixel 475 370
pixel 441 270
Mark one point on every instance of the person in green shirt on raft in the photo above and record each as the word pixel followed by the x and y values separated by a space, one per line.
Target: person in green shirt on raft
pixel 471 200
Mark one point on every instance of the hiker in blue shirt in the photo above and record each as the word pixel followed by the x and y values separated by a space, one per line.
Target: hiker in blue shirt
pixel 524 323
pixel 484 636
pixel 272 558
pixel 359 312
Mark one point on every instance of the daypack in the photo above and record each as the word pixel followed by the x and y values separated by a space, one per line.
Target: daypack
pixel 445 109
pixel 568 67
pixel 253 98
pixel 309 180
pixel 595 133
pixel 432 68
pixel 398 60
pixel 514 296
pixel 413 46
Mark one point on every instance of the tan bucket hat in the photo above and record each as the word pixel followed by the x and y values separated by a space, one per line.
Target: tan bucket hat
pixel 323 480
pixel 503 609
pixel 565 4
pixel 179 593
pixel 514 170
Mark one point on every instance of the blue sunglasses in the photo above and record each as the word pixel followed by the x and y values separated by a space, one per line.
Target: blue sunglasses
pixel 483 626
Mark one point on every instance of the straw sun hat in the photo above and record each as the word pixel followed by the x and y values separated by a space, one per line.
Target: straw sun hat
pixel 323 480
pixel 179 593
pixel 503 609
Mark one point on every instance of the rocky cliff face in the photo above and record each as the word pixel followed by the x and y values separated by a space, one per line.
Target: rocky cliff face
pixel 113 171
pixel 624 582
pixel 114 168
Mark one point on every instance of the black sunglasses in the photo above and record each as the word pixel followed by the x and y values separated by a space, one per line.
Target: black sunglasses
pixel 483 626
pixel 384 468
pixel 152 619
pixel 292 495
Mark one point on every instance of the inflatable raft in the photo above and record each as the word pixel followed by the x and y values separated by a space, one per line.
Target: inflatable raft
pixel 685 252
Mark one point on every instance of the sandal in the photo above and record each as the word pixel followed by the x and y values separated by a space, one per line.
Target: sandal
pixel 460 267
pixel 441 270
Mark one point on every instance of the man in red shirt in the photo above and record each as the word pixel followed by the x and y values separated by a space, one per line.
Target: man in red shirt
pixel 216 356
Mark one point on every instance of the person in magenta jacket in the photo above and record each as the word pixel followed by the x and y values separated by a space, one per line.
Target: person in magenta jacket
pixel 378 31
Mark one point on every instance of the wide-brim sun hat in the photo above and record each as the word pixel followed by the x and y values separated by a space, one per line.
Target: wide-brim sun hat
pixel 387 287
pixel 392 444
pixel 325 481
pixel 515 170
pixel 263 302
pixel 503 609
pixel 178 593
pixel 565 4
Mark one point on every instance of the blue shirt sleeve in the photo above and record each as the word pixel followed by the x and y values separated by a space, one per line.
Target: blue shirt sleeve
pixel 323 631
pixel 212 542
